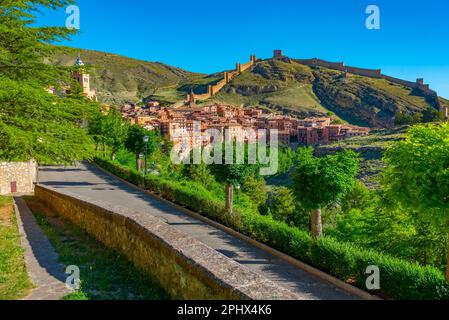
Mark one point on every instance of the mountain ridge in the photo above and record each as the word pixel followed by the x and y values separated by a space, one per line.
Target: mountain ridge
pixel 279 83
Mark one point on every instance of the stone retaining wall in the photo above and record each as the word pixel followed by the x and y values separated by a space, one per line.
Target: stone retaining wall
pixel 185 267
pixel 23 174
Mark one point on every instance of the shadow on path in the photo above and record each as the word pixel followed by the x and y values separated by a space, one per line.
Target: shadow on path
pixel 41 259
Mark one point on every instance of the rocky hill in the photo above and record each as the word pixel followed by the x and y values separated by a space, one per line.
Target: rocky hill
pixel 287 85
pixel 278 84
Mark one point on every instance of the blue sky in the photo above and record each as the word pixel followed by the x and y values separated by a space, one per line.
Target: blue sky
pixel 206 36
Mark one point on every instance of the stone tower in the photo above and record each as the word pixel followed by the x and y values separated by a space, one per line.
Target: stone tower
pixel 83 79
pixel 278 54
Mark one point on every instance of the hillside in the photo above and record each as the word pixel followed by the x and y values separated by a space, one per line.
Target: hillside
pixel 119 79
pixel 287 85
pixel 278 84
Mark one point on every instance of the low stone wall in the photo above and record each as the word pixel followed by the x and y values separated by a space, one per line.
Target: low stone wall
pixel 22 174
pixel 185 267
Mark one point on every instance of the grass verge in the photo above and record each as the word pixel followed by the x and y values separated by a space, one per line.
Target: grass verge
pixel 14 281
pixel 105 274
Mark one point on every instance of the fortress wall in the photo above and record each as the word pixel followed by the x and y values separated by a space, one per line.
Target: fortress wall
pixel 322 63
pixel 400 81
pixel 203 96
pixel 372 73
pixel 231 74
pixel 185 267
pixel 246 66
pixel 219 86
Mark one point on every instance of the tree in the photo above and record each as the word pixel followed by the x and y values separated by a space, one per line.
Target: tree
pixel 319 182
pixel 134 141
pixel 417 173
pixel 283 204
pixel 95 130
pixel 33 123
pixel 115 131
pixel 430 114
pixel 24 46
pixel 37 125
pixel 256 190
pixel 233 174
pixel 200 173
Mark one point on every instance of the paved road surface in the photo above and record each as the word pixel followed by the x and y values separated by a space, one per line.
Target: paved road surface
pixel 89 181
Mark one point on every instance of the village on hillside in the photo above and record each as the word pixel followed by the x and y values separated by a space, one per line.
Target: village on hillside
pixel 178 124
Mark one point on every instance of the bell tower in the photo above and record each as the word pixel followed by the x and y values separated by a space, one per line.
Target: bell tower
pixel 83 78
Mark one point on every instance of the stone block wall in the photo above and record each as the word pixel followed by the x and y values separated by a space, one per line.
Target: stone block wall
pixel 23 174
pixel 185 267
pixel 212 90
pixel 372 73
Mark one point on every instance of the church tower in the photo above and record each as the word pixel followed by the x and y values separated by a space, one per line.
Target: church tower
pixel 83 79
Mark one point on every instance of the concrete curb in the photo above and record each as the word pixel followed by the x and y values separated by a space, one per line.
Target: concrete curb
pixel 312 270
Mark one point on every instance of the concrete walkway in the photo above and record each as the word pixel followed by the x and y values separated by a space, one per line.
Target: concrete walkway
pixel 89 181
pixel 41 260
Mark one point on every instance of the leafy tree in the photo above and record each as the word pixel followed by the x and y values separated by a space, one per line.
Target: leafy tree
pixel 283 204
pixel 25 46
pixel 359 197
pixel 417 173
pixel 200 173
pixel 256 190
pixel 319 182
pixel 34 123
pixel 233 174
pixel 430 114
pixel 115 131
pixel 134 141
pixel 402 118
pixel 286 159
pixel 96 131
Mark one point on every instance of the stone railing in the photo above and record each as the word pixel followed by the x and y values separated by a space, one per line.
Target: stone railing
pixel 184 266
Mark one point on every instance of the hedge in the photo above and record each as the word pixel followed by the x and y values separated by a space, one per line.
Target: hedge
pixel 399 279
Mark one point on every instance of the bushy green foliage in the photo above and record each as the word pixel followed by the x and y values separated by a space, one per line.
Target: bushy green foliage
pixel 399 279
pixel 321 181
pixel 256 190
pixel 283 204
pixel 115 131
pixel 134 139
pixel 24 46
pixel 200 173
pixel 34 123
pixel 417 174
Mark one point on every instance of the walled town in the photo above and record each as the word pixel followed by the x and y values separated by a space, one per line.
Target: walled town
pixel 182 125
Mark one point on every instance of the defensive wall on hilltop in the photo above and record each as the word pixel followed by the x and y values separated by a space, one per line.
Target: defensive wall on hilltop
pixel 314 62
pixel 371 73
pixel 227 77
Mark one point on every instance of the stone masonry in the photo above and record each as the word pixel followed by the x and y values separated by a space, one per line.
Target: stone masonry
pixel 17 177
pixel 185 267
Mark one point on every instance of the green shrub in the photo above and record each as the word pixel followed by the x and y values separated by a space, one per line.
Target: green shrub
pixel 399 279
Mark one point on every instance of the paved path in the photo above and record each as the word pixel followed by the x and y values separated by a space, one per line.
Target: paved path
pixel 89 181
pixel 41 260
